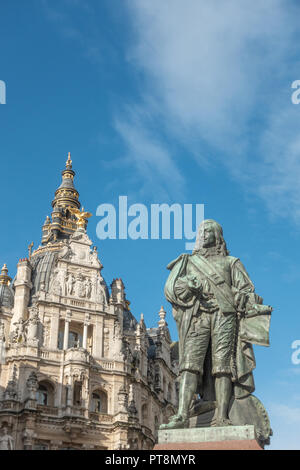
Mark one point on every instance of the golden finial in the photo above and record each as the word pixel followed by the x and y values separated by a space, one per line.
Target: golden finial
pixel 4 278
pixel 4 270
pixel 69 162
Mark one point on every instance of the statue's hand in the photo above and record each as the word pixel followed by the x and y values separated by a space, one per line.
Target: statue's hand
pixel 194 284
pixel 240 301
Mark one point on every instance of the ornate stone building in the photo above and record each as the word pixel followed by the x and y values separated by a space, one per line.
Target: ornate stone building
pixel 77 370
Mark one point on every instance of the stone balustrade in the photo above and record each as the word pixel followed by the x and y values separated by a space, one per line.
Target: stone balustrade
pixel 48 410
pixel 10 405
pixel 100 417
pixel 51 355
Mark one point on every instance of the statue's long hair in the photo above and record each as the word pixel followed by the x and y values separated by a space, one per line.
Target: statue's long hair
pixel 219 249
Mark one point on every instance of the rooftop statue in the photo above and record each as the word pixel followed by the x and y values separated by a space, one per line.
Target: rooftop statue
pixel 219 317
pixel 81 216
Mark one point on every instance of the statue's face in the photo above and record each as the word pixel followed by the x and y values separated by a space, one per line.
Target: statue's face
pixel 207 235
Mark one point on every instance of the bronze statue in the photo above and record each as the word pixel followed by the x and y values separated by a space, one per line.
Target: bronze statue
pixel 219 317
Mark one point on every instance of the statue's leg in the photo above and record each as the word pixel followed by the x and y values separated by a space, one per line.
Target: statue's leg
pixel 222 349
pixel 223 387
pixel 188 387
pixel 191 366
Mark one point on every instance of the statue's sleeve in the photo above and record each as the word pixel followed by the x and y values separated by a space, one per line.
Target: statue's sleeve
pixel 176 290
pixel 240 278
pixel 255 324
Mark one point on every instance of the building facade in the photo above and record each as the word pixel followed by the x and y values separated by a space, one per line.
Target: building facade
pixel 77 370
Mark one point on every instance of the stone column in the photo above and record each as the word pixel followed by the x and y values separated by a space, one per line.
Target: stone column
pixel 54 329
pixel 22 286
pixel 84 340
pixel 28 438
pixel 85 330
pixel 70 393
pixel 98 338
pixel 67 327
pixel 85 396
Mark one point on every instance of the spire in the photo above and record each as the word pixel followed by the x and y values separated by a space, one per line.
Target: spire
pixel 162 315
pixel 4 278
pixel 63 223
pixel 69 162
pixel 66 195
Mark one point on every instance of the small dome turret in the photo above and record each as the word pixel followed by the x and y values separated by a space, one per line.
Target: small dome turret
pixel 6 292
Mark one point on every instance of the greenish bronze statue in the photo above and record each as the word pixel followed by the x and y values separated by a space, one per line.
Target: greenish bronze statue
pixel 219 316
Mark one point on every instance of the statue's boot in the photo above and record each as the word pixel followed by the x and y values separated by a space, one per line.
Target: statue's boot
pixel 176 422
pixel 222 422
pixel 200 407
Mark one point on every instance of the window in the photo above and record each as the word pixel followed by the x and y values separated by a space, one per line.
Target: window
pixel 99 402
pixel 42 395
pixel 45 394
pixel 75 340
pixel 96 402
pixel 60 342
pixel 77 393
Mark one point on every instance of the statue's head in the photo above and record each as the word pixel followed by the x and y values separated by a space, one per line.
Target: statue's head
pixel 210 239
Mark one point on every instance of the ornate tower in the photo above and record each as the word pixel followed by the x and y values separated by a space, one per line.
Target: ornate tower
pixel 74 361
pixel 63 222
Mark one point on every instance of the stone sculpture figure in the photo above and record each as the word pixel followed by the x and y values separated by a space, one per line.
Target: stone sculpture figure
pixel 88 288
pixel 18 333
pixel 79 286
pixel 100 291
pixel 56 284
pixel 6 440
pixel 219 317
pixel 32 324
pixel 70 284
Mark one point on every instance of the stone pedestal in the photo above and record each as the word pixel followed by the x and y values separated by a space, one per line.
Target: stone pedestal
pixel 213 438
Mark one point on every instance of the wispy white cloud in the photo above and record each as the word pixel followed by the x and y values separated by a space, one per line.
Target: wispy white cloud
pixel 215 79
pixel 288 413
pixel 285 420
pixel 150 158
pixel 64 14
pixel 217 75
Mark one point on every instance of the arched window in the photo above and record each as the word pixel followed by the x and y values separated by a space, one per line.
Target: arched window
pixel 99 402
pixel 45 394
pixel 42 395
pixel 96 402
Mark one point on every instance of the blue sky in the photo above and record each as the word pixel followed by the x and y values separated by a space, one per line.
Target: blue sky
pixel 164 102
